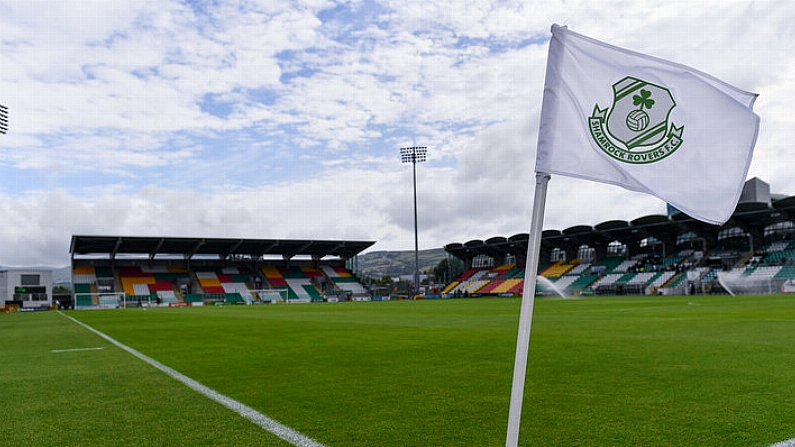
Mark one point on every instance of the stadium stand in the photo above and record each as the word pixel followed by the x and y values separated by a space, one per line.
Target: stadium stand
pixel 137 271
pixel 754 252
pixel 84 284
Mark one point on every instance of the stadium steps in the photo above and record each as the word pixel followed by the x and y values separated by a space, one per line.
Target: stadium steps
pixel 274 277
pixel 674 281
pixel 507 285
pixel 786 272
pixel 783 256
pixel 209 283
pixel 313 293
pixel 474 282
pixel 86 294
pixel 84 281
pixel 624 266
pixel 468 273
pixel 82 294
pixel 582 283
pixel 177 293
pixel 311 272
pixel 488 289
pixel 117 286
pixel 238 288
pixel 504 271
pixel 336 272
pixel 765 272
pixel 558 270
pixel 193 298
pixel 503 284
pixel 478 286
pixel 664 278
pixel 565 282
pixel 228 284
pixel 549 269
pixel 134 281
pixel 514 273
pixel 744 260
pixel 346 281
pixel 299 281
pixel 608 264
pixel 609 279
pixel 450 287
pixel 84 270
pixel 298 288
pixel 94 294
pixel 579 268
pixel 627 277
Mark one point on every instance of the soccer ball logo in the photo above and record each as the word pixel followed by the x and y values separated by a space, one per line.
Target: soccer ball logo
pixel 638 120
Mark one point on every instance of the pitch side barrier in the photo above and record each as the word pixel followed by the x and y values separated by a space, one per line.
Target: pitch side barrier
pixel 123 301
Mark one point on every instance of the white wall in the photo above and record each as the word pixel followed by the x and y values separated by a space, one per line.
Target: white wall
pixel 12 278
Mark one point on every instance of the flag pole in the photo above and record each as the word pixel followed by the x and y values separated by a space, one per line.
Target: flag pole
pixel 526 313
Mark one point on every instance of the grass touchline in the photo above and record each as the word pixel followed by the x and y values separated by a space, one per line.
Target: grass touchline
pixel 282 431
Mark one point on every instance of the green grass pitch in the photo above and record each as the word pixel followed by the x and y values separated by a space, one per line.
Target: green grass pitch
pixel 603 371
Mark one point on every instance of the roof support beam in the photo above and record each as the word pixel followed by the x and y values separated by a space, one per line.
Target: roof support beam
pixel 119 242
pixel 231 249
pixel 156 249
pixel 192 251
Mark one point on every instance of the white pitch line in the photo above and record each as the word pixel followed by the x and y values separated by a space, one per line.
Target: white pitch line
pixel 280 430
pixel 76 350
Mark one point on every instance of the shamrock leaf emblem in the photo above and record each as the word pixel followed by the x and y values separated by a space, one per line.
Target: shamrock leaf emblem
pixel 643 100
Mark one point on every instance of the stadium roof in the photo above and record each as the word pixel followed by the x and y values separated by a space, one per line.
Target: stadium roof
pixel 750 216
pixel 189 247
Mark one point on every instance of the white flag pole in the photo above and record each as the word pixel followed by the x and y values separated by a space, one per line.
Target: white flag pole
pixel 526 313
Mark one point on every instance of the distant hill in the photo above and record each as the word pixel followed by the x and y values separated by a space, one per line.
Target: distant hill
pixel 62 276
pixel 378 264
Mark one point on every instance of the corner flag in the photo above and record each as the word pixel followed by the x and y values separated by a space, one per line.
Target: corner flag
pixel 615 116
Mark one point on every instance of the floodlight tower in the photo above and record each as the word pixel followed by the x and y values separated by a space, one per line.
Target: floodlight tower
pixel 414 155
pixel 3 119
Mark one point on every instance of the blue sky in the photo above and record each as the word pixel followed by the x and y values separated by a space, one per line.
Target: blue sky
pixel 284 119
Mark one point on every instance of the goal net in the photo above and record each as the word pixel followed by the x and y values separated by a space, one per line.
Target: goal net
pixel 272 295
pixel 102 300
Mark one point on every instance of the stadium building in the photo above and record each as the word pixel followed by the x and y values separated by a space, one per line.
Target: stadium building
pixel 120 271
pixel 26 289
pixel 754 252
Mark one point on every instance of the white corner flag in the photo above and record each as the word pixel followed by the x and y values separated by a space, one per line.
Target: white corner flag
pixel 615 116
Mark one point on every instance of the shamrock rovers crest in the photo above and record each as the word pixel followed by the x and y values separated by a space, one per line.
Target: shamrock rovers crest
pixel 636 129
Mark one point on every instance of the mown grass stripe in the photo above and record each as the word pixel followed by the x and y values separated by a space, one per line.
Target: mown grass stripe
pixel 278 429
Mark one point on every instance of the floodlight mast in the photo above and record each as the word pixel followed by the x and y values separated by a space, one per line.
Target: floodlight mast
pixel 414 155
pixel 3 119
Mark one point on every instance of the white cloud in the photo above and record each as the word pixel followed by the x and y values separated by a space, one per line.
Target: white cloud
pixel 282 119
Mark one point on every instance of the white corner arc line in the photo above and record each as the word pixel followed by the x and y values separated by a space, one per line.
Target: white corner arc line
pixel 278 429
